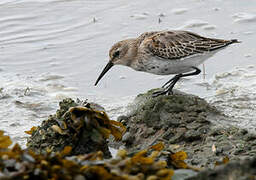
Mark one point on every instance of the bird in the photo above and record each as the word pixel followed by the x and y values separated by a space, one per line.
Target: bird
pixel 165 53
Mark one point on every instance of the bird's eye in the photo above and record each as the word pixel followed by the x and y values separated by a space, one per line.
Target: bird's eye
pixel 116 54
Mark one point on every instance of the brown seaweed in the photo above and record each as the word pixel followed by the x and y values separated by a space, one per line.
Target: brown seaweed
pixel 81 125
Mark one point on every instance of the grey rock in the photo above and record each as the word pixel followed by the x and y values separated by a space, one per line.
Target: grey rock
pixel 79 177
pixel 182 174
pixel 239 170
pixel 192 135
pixel 127 138
pixel 188 123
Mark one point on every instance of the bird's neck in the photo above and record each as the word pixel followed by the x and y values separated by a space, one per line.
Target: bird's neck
pixel 132 51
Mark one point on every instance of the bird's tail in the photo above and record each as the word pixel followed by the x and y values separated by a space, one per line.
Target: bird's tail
pixel 234 41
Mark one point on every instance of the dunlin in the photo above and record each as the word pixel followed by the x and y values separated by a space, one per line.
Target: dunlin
pixel 164 53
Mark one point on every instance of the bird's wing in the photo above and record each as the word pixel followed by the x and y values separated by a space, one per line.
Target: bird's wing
pixel 146 35
pixel 179 44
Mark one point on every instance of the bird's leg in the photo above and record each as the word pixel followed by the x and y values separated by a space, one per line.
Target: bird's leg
pixel 198 71
pixel 175 77
pixel 168 89
pixel 171 83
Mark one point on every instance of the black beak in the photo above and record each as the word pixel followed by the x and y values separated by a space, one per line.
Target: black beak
pixel 107 67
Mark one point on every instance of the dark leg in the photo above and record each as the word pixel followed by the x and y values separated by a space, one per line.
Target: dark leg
pixel 175 77
pixel 168 86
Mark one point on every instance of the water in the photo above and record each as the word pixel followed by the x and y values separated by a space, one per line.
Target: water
pixel 51 49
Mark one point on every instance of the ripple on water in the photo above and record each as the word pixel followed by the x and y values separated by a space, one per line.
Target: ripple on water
pixel 26 101
pixel 140 16
pixel 194 23
pixel 51 77
pixel 236 95
pixel 209 27
pixel 179 10
pixel 244 17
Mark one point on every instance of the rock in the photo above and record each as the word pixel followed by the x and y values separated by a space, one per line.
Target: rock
pixel 250 137
pixel 192 135
pixel 188 122
pixel 127 138
pixel 179 115
pixel 79 177
pixel 182 174
pixel 60 130
pixel 235 170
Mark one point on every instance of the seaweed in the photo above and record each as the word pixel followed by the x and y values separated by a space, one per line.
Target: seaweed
pixel 83 126
pixel 16 163
pixel 5 141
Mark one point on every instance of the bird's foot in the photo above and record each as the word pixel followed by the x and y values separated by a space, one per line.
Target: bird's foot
pixel 163 92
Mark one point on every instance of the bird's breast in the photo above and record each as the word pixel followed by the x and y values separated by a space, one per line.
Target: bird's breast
pixel 160 66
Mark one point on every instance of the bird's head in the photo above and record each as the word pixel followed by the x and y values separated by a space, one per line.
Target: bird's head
pixel 121 54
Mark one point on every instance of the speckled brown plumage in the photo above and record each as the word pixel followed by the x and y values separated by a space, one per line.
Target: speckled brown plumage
pixel 165 52
pixel 179 44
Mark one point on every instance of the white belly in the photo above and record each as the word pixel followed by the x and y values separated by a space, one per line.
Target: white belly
pixel 161 66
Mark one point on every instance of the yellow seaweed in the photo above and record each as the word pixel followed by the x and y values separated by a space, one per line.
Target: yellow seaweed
pixel 92 156
pixel 141 158
pixel 225 160
pixel 66 151
pixel 122 153
pixel 165 174
pixel 100 172
pixel 98 120
pixel 158 146
pixel 57 129
pixel 34 128
pixel 104 131
pixel 55 166
pixel 5 141
pixel 178 159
